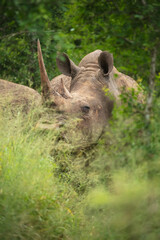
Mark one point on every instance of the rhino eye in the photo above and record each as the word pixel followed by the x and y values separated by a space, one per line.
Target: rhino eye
pixel 85 109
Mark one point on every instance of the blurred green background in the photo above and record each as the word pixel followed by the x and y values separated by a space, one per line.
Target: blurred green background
pixel 128 29
pixel 109 191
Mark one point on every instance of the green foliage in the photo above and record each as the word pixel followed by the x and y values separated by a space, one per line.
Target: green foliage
pixel 124 202
pixel 22 24
pixel 127 29
pixel 110 190
pixel 130 210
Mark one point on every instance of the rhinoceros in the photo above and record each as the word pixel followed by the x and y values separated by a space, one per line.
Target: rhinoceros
pixel 17 96
pixel 80 90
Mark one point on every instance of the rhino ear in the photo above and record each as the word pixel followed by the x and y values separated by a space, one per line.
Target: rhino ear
pixel 105 61
pixel 66 66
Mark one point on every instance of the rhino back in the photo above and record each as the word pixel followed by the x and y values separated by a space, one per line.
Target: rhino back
pixel 17 96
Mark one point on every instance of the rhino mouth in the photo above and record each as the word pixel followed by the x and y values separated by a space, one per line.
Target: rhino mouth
pixel 70 129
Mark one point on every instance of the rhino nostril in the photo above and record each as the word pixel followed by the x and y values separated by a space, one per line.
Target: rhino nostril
pixel 85 109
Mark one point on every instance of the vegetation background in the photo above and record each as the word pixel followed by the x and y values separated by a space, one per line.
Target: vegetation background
pixel 110 191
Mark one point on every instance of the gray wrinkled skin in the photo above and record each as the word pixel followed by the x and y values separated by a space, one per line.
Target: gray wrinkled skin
pixel 78 94
pixel 18 97
pixel 86 83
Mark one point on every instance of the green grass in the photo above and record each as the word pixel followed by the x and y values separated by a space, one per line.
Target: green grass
pixel 110 191
pixel 33 203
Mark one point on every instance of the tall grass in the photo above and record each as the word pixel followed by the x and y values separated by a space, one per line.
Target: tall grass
pixel 110 191
pixel 33 203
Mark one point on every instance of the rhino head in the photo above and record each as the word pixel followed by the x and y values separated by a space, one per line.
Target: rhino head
pixel 84 98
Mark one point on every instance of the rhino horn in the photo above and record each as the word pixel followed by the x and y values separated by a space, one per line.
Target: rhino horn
pixel 105 62
pixel 45 83
pixel 66 66
pixel 65 90
pixel 47 89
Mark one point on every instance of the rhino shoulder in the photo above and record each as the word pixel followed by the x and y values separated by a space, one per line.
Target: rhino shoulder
pixel 123 81
pixel 126 83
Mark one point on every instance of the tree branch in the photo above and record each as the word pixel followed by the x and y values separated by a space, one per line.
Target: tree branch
pixel 13 34
pixel 151 86
pixel 144 2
